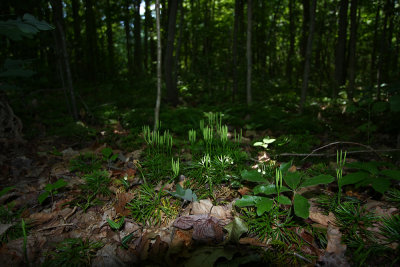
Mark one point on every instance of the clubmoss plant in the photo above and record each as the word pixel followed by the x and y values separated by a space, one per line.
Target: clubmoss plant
pixel 340 162
pixel 72 252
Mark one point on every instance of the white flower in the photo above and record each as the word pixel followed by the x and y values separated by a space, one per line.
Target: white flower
pixel 263 172
pixel 259 170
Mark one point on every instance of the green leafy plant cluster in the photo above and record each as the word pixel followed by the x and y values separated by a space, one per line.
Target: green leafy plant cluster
pixel 293 180
pixel 51 190
pixel 369 174
pixel 150 207
pixel 72 252
pixel 85 163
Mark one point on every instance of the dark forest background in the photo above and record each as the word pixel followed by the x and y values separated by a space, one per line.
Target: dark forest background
pixel 213 53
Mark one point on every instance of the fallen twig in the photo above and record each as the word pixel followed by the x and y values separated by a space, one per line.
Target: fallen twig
pixel 306 155
pixel 55 226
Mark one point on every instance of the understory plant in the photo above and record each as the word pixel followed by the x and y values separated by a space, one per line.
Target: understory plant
pixel 370 174
pixel 150 207
pixel 73 252
pixel 293 180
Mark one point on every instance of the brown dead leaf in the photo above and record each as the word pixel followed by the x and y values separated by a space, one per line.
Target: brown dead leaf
pixel 334 237
pixel 122 200
pixel 42 217
pixel 244 191
pixel 293 168
pixel 206 228
pixel 205 206
pixel 316 215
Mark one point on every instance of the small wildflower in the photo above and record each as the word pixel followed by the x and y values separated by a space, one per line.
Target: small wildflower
pixel 259 170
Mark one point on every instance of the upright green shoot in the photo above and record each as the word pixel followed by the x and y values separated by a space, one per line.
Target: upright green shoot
pixel 340 161
pixel 175 167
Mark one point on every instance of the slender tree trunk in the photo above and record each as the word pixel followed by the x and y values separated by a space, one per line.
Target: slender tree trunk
pixel 289 64
pixel 235 51
pixel 375 44
pixel 78 55
pixel 307 62
pixel 137 39
pixel 110 40
pixel 179 44
pixel 158 101
pixel 147 23
pixel 172 91
pixel 249 54
pixel 305 27
pixel 128 38
pixel 91 42
pixel 352 48
pixel 340 55
pixel 58 19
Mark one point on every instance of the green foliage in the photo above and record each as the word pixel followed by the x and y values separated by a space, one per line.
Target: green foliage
pixel 265 142
pixel 185 194
pixel 97 183
pixel 108 155
pixel 72 252
pixel 369 174
pixel 116 225
pixel 51 190
pixel 293 180
pixel 85 163
pixel 390 229
pixel 150 207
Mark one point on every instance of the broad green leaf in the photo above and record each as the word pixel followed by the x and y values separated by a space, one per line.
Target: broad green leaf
pixel 285 166
pixel 365 182
pixel 379 107
pixel 185 194
pixel 246 201
pixel 320 179
pixel 59 184
pixel 264 205
pixel 292 179
pixel 393 174
pixel 371 167
pixel 42 197
pixel 252 176
pixel 235 229
pixel 301 206
pixel 353 178
pixel 268 140
pixel 107 152
pixel 283 200
pixel 268 189
pixel 381 185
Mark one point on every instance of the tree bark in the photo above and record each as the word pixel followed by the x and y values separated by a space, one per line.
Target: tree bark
pixel 172 91
pixel 91 41
pixel 137 39
pixel 147 24
pixel 352 48
pixel 59 21
pixel 340 54
pixel 110 40
pixel 249 54
pixel 158 100
pixel 128 38
pixel 235 51
pixel 78 55
pixel 289 62
pixel 307 61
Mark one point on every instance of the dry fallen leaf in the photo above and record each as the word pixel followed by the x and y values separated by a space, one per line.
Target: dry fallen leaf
pixel 205 206
pixel 206 228
pixel 122 199
pixel 316 215
pixel 334 237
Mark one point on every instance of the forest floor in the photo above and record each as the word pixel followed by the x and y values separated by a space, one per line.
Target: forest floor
pixel 207 189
